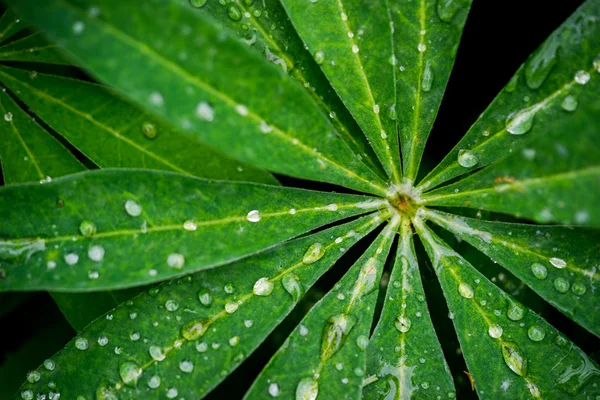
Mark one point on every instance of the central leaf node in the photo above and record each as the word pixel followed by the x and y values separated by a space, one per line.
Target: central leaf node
pixel 403 203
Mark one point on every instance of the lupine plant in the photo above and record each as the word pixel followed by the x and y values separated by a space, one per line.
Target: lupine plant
pixel 140 193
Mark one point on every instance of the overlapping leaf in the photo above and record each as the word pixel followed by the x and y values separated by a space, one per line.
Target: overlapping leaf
pixel 32 48
pixel 510 351
pixel 325 355
pixel 218 90
pixel 10 24
pixel 540 99
pixel 404 358
pixel 84 231
pixel 182 338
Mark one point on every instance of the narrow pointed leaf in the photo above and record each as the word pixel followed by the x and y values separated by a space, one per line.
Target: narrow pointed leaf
pixel 511 352
pixel 84 231
pixel 536 100
pixel 28 152
pixel 265 27
pixel 188 335
pixel 426 37
pixel 32 48
pixel 221 92
pixel 113 133
pixel 325 354
pixel 353 42
pixel 10 24
pixel 559 263
pixel 553 179
pixel 404 357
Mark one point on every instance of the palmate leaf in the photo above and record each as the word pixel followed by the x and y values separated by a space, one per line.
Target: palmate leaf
pixel 186 336
pixel 115 134
pixel 32 48
pixel 221 91
pixel 559 263
pixel 404 358
pixel 541 98
pixel 80 233
pixel 325 355
pixel 10 24
pixel 510 351
pixel 266 29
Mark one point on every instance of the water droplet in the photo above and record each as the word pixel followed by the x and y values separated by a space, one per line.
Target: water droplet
pixel 521 122
pixel 307 389
pixel 102 341
pixel 337 330
pixel 582 77
pixel 229 288
pixel 81 343
pixel 495 331
pixel 78 27
pixel 231 307
pixel 198 3
pixel 392 114
pixel 87 228
pixel 194 330
pixel 132 208
pixel 427 80
pixel 33 376
pixel 558 262
pixel 569 103
pixel 253 216
pixel 467 159
pixel 514 359
pixel 176 260
pixel 71 258
pixel 171 305
pixel 130 373
pixel 205 112
pixel 578 288
pixel 403 323
pixel 465 290
pixel 367 278
pixel 562 285
pixel 515 312
pixel 274 390
pixel 539 271
pixel 49 364
pixel 263 287
pixel 447 9
pixel 27 394
pixel 134 336
pixel 248 323
pixel 539 65
pixel 314 253
pixel 234 341
pixel 154 382
pixel 96 253
pixel 186 366
pixel 202 347
pixel 362 342
pixel 291 284
pixel 205 298
pixel 319 57
pixel 190 226
pixel 234 12
pixel 536 333
pixel 149 130
pixel 156 353
pixel 8 117
pixel 422 47
pixel 172 393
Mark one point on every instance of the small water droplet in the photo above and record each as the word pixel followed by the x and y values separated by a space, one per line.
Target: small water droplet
pixel 447 9
pixel 536 333
pixel 428 76
pixel 403 323
pixel 205 298
pixel 134 336
pixel 582 77
pixel 154 382
pixel 465 290
pixel 171 305
pixel 102 341
pixel 337 330
pixel 198 3
pixel 176 261
pixel 263 287
pixel 562 285
pixel 569 103
pixel 27 394
pixel 578 288
pixel 87 228
pixel 49 364
pixel 515 312
pixel 314 253
pixel 495 331
pixel 422 47
pixel 156 353
pixel 558 262
pixel 253 216
pixel 96 253
pixel 273 390
pixel 539 271
pixel 71 258
pixel 234 341
pixel 194 330
pixel 307 389
pixel 467 159
pixel 514 359
pixel 392 114
pixel 539 65
pixel 130 373
pixel 186 366
pixel 521 121
pixel 81 343
pixel 319 57
pixel 202 347
pixel 149 130
pixel 132 208
pixel 291 284
pixel 8 117
pixel 190 226
pixel 234 12
pixel 231 307
pixel 362 342
pixel 172 393
pixel 33 376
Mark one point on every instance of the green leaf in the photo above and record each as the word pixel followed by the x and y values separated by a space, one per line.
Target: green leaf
pixel 10 24
pixel 32 48
pixel 550 180
pixel 113 133
pixel 533 103
pixel 266 29
pixel 510 351
pixel 28 151
pixel 221 92
pixel 559 263
pixel 204 325
pixel 352 41
pixel 82 232
pixel 426 37
pixel 404 357
pixel 325 354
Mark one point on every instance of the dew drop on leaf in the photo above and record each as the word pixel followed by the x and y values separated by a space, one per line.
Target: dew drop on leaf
pixel 27 394
pixel 428 76
pixel 231 307
pixel 102 341
pixel 171 305
pixel 202 347
pixel 33 376
pixel 87 228
pixel 49 364
pixel 205 298
pixel 253 216
pixel 234 12
pixel 198 3
pixel 96 253
pixel 536 333
pixel 273 390
pixel 314 253
pixel 189 226
pixel 335 334
pixel 514 359
pixel 194 330
pixel 562 285
pixel 291 284
pixel 205 112
pixel 558 262
pixel 81 343
pixel 154 382
pixel 362 342
pixel 403 323
pixel 149 130
pixel 319 57
pixel 467 159
pixel 465 290
pixel 172 393
pixel 186 366
pixel 71 258
pixel 582 77
pixel 8 117
pixel 176 261
pixel 578 288
pixel 515 312
pixel 569 103
pixel 521 122
pixel 539 271
pixel 495 331
pixel 540 64
pixel 263 287
pixel 132 208
pixel 130 373
pixel 307 389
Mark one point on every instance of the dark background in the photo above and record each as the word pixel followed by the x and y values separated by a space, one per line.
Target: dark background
pixel 498 37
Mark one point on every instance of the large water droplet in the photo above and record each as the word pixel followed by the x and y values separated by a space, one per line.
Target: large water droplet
pixel 578 289
pixel 465 290
pixel 291 284
pixel 558 262
pixel 253 216
pixel 8 117
pixel 495 331
pixel 447 9
pixel 514 359
pixel 319 57
pixel 307 389
pixel 562 285
pixel 49 364
pixel 81 343
pixel 569 103
pixel 403 324
pixel 335 334
pixel 198 3
pixel 96 253
pixel 540 64
pixel 194 330
pixel 314 253
pixel 27 394
pixel 536 333
pixel 367 278
pixel 33 376
pixel 105 393
pixel 521 122
pixel 156 353
pixel 205 298
pixel 87 228
pixel 171 305
pixel 154 382
pixel 467 159
pixel 428 76
pixel 186 366
pixel 234 12
pixel 132 208
pixel 130 373
pixel 539 271
pixel 172 393
pixel 515 312
pixel 176 261
pixel 578 374
pixel 582 77
pixel 231 307
pixel 263 287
